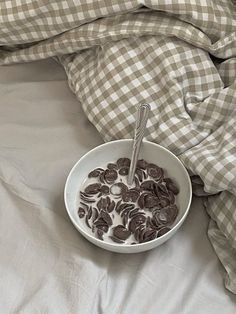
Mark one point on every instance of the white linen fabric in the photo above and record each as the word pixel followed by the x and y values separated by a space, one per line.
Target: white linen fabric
pixel 46 266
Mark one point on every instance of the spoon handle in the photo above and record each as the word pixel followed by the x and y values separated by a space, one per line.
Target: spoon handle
pixel 142 117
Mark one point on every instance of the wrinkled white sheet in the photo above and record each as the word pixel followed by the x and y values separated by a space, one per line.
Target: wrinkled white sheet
pixel 45 265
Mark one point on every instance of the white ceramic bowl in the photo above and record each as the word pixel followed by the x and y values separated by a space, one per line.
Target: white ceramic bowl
pixel 111 151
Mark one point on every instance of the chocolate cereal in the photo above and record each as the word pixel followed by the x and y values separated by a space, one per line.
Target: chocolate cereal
pixel 123 214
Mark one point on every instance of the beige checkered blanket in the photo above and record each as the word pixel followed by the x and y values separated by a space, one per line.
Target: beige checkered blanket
pixel 177 55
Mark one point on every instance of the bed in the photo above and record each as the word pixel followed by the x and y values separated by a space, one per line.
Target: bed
pixel 99 60
pixel 46 266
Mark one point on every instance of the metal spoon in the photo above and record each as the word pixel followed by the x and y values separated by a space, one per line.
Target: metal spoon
pixel 142 117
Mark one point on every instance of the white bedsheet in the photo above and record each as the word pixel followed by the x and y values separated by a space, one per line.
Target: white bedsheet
pixel 45 265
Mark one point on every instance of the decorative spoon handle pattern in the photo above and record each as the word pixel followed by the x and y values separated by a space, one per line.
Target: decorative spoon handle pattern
pixel 140 127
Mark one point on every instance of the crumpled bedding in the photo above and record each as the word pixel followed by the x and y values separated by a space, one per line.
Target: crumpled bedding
pixel 180 57
pixel 46 266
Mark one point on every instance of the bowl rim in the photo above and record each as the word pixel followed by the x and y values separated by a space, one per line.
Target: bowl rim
pixel 84 232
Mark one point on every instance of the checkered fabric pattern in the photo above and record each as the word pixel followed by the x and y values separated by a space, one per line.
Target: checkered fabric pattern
pixel 177 55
